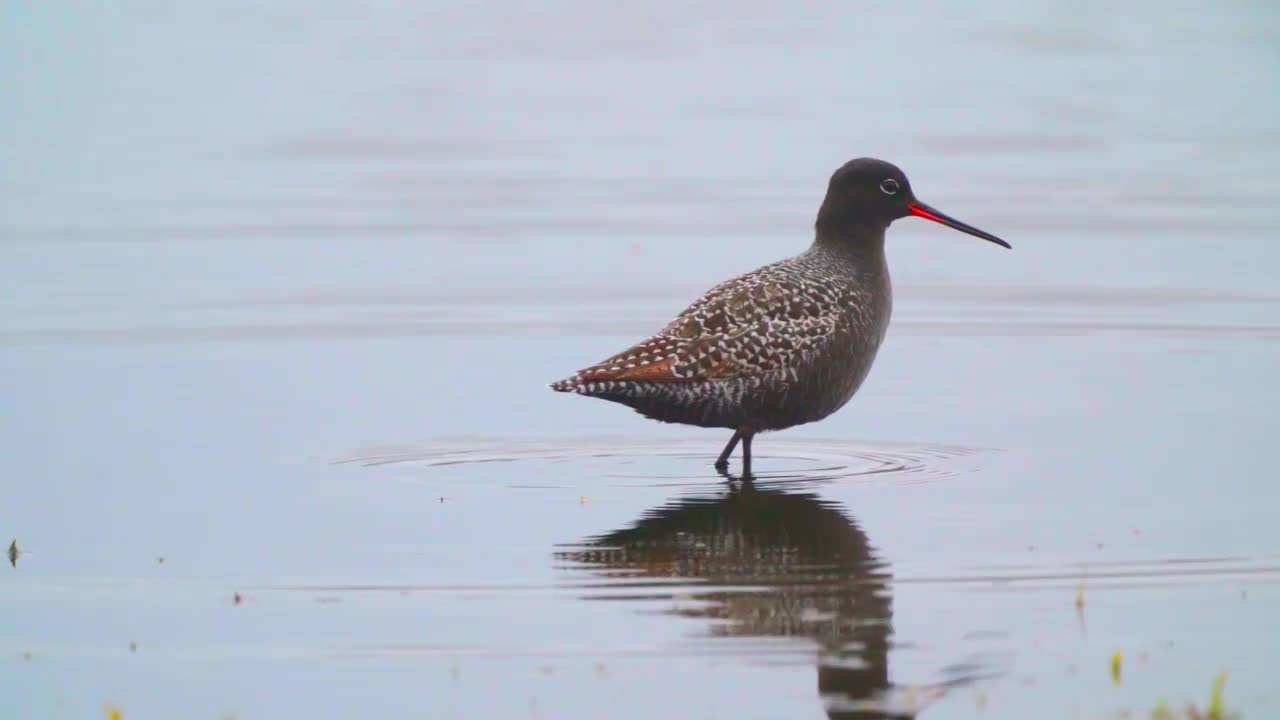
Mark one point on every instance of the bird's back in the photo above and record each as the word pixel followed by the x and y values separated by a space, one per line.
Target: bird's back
pixel 785 344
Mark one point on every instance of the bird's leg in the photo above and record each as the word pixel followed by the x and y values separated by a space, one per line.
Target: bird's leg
pixel 722 463
pixel 746 455
pixel 728 477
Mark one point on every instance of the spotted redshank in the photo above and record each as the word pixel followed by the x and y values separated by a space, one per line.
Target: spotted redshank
pixel 787 344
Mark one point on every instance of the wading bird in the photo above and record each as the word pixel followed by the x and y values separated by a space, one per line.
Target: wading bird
pixel 787 344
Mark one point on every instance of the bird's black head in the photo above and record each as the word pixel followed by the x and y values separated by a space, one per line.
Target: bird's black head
pixel 867 194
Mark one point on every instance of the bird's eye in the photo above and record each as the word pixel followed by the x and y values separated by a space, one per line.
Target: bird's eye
pixel 889 186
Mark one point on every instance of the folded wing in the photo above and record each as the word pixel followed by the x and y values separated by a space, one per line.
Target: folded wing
pixel 764 322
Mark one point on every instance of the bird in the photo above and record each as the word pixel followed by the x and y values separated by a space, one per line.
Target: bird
pixel 783 345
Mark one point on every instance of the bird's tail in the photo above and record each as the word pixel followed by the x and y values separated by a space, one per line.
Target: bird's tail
pixel 569 384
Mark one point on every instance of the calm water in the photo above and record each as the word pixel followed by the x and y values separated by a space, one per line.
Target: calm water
pixel 283 288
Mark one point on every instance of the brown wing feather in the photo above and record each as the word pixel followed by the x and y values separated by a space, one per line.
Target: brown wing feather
pixel 659 371
pixel 758 323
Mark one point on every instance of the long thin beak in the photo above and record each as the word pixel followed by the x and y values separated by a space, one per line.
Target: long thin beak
pixel 919 209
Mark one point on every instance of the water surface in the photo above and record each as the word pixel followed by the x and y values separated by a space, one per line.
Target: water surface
pixel 284 287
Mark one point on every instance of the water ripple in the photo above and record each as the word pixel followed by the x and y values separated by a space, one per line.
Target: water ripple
pixel 675 462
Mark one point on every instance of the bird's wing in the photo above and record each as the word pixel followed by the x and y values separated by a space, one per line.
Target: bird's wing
pixel 759 323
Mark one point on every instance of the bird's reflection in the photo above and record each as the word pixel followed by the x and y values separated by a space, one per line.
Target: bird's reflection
pixel 775 564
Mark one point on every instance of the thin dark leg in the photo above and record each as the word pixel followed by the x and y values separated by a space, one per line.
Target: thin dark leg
pixel 722 463
pixel 746 455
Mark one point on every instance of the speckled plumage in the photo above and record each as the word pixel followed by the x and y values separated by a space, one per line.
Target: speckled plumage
pixel 786 344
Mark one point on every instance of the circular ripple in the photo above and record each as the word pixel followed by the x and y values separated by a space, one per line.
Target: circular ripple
pixel 685 461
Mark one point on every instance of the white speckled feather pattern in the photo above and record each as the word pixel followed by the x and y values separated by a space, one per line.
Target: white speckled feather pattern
pixel 786 344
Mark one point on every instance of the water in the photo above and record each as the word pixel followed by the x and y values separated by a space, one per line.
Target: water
pixel 284 286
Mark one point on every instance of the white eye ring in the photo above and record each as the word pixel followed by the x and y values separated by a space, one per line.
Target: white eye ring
pixel 889 186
